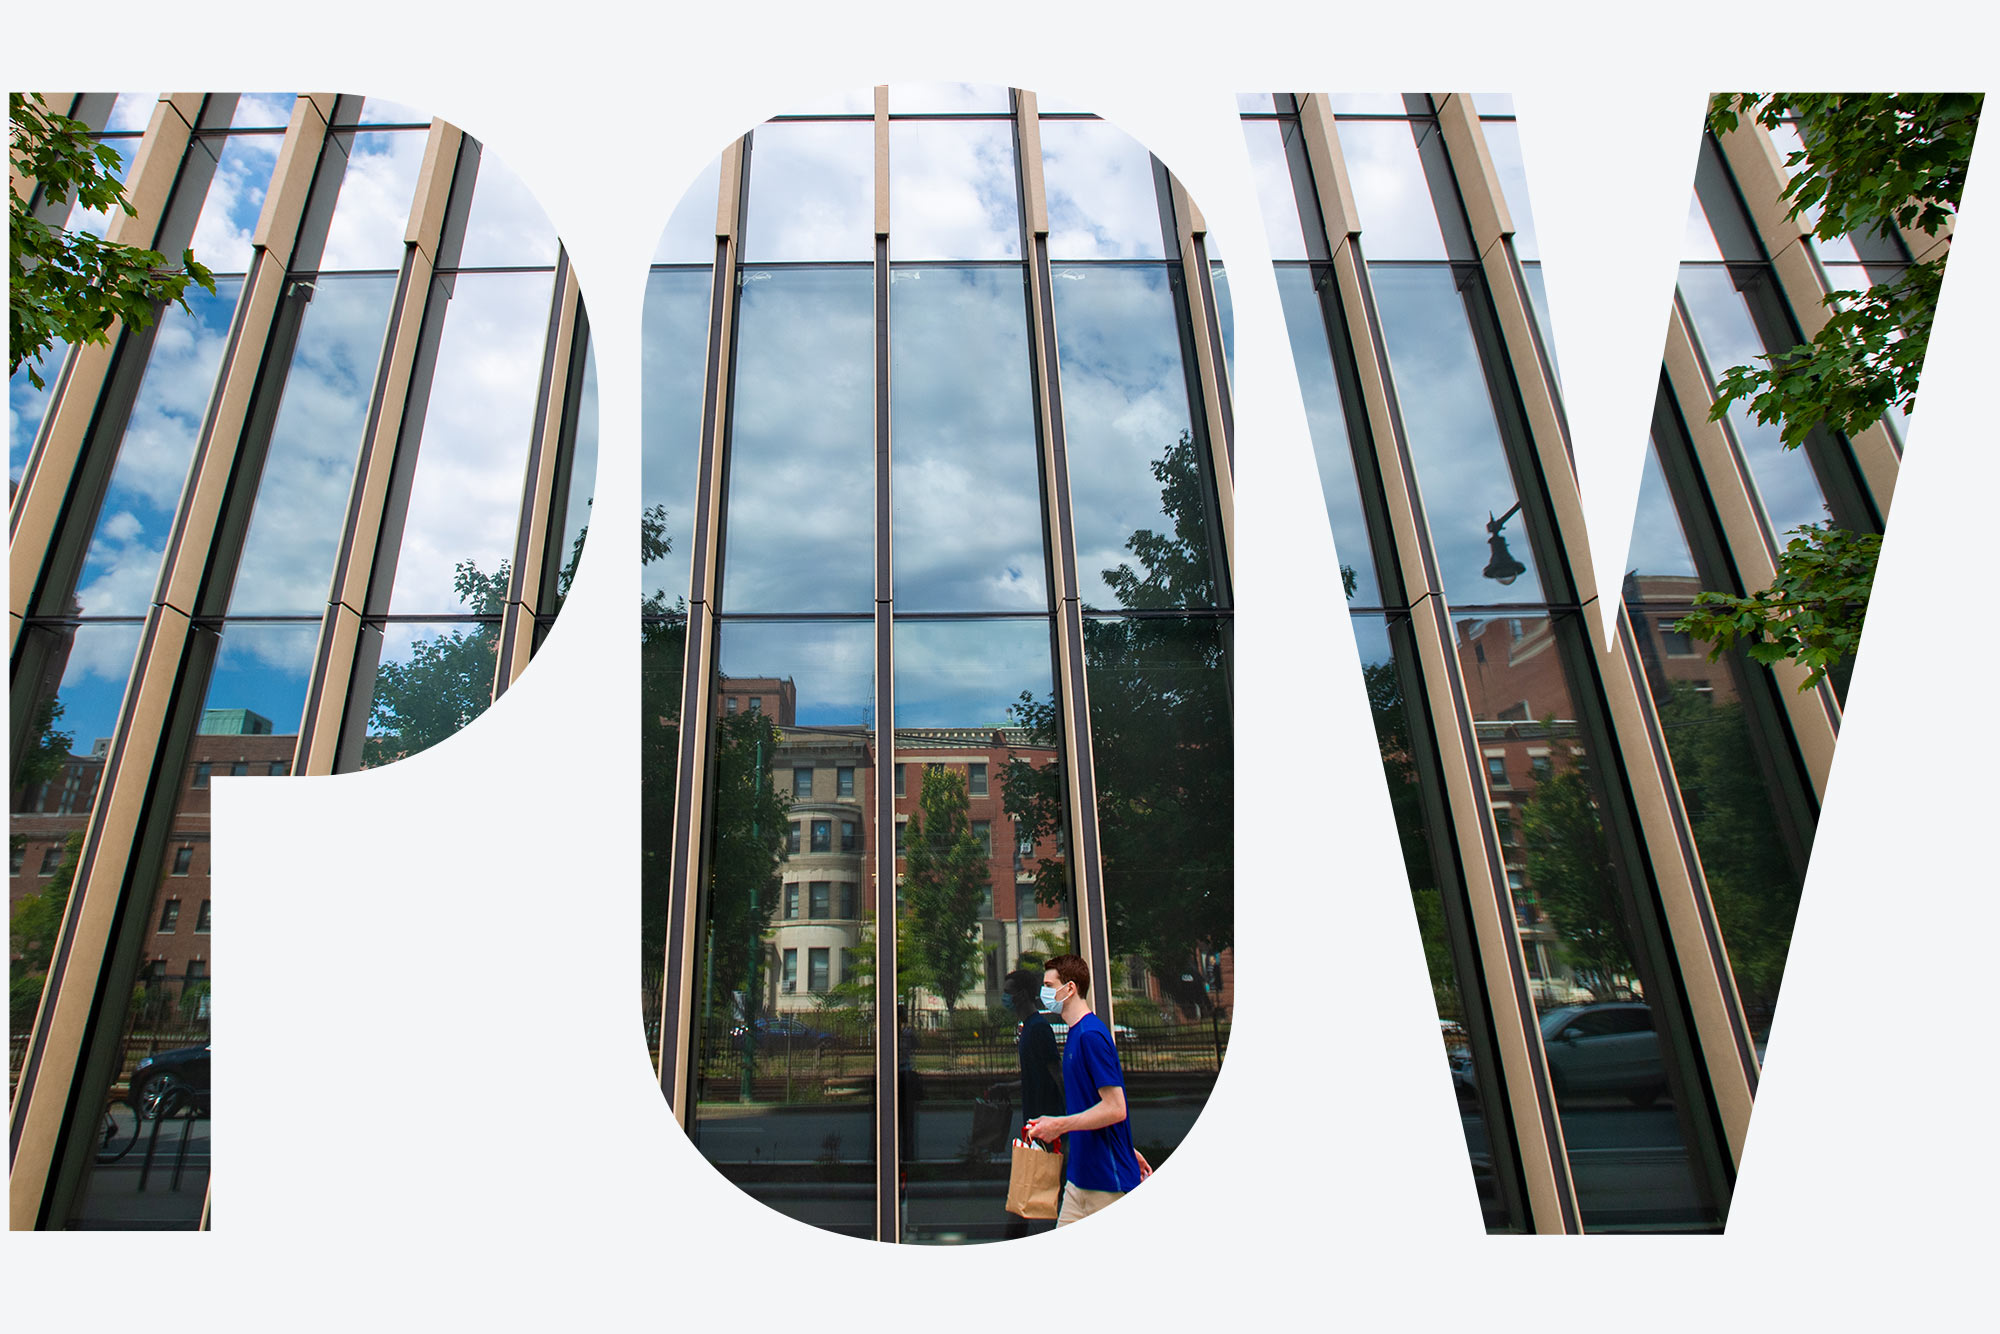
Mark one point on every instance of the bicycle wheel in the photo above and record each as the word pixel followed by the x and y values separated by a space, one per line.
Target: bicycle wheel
pixel 118 1131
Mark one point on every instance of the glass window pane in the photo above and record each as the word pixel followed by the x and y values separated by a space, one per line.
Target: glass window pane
pixel 1101 197
pixel 26 404
pixel 1272 172
pixel 582 479
pixel 1538 305
pixel 1161 732
pixel 1225 315
pixel 1398 219
pixel 1326 420
pixel 244 163
pixel 963 423
pixel 689 237
pixel 946 98
pixel 1658 564
pixel 952 191
pixel 376 191
pixel 132 111
pixel 812 192
pixel 800 521
pixel 431 682
pixel 72 725
pixel 1698 242
pixel 506 225
pixel 258 683
pixel 1366 104
pixel 96 221
pixel 129 542
pixel 465 499
pixel 1492 104
pixel 783 1080
pixel 381 111
pixel 673 356
pixel 1255 102
pixel 1142 535
pixel 847 102
pixel 1728 337
pixel 301 504
pixel 964 692
pixel 1503 142
pixel 1461 463
pixel 1617 1094
pixel 262 111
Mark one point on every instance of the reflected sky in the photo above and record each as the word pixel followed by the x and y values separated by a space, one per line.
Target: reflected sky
pixel 1366 104
pixel 93 681
pixel 1327 423
pixel 1225 315
pixel 1538 306
pixel 381 111
pixel 264 668
pixel 672 354
pixel 26 404
pixel 92 220
pixel 968 673
pixel 1659 546
pixel 465 500
pixel 235 198
pixel 583 463
pixel 260 111
pixel 1125 405
pixel 1697 237
pixel 301 504
pixel 831 664
pixel 1503 142
pixel 846 102
pixel 966 490
pixel 907 99
pixel 1256 102
pixel 1454 439
pixel 123 562
pixel 1273 176
pixel 952 191
pixel 812 192
pixel 689 237
pixel 1728 337
pixel 1101 199
pixel 1492 104
pixel 506 225
pixel 399 645
pixel 132 111
pixel 376 192
pixel 1398 219
pixel 801 503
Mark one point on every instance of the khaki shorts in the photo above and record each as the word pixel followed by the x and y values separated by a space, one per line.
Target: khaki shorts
pixel 1080 1203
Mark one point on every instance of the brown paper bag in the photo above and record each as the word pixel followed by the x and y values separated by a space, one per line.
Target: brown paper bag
pixel 1035 1183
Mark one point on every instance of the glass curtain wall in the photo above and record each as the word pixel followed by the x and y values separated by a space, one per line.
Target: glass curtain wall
pixel 890 691
pixel 306 341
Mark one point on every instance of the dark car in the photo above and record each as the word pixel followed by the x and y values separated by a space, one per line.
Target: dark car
pixel 167 1078
pixel 783 1035
pixel 1608 1048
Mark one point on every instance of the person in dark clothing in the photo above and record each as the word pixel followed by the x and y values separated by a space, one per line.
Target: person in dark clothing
pixel 1035 1045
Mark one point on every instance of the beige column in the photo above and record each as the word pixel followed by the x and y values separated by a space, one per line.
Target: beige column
pixel 1668 842
pixel 1211 368
pixel 50 473
pixel 525 594
pixel 677 990
pixel 1538 1137
pixel 354 570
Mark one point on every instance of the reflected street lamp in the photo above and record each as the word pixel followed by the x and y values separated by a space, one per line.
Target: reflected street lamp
pixel 1502 567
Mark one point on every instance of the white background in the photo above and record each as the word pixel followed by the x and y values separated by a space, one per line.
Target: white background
pixel 436 1109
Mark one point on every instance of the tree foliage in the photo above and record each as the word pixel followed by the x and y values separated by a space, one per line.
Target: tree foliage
pixel 72 286
pixel 662 648
pixel 1569 866
pixel 447 681
pixel 1871 162
pixel 945 880
pixel 751 817
pixel 32 930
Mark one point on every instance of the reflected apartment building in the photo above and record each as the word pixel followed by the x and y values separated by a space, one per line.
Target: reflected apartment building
pixel 937 632
pixel 1605 846
pixel 316 521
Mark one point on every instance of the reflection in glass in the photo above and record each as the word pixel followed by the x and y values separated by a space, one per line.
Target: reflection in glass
pixel 132 111
pixel 1225 314
pixel 906 99
pixel 1659 549
pixel 812 192
pixel 376 191
pixel 966 492
pixel 1503 142
pixel 262 111
pixel 1141 511
pixel 672 354
pixel 301 502
pixel 433 680
pixel 1398 218
pixel 90 665
pixel 465 499
pixel 26 404
pixel 229 212
pixel 506 225
pixel 1101 196
pixel 97 221
pixel 965 695
pixel 1378 638
pixel 1163 740
pixel 129 541
pixel 1273 175
pixel 1727 334
pixel 952 191
pixel 689 236
pixel 1326 420
pixel 801 502
pixel 1586 958
pixel 783 1084
pixel 1461 462
pixel 582 482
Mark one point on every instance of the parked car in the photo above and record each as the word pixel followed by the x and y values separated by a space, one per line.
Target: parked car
pixel 1609 1048
pixel 177 1075
pixel 782 1035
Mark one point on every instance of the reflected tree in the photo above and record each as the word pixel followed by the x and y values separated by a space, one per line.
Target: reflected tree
pixel 945 880
pixel 750 822
pixel 32 930
pixel 663 645
pixel 1570 874
pixel 1399 771
pixel 447 681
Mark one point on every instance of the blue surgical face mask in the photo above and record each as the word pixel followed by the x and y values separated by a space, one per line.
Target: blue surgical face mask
pixel 1048 998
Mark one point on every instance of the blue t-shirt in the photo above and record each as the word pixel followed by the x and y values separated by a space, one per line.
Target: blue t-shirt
pixel 1098 1159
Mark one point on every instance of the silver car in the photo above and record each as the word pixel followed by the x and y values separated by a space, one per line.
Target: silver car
pixel 1609 1048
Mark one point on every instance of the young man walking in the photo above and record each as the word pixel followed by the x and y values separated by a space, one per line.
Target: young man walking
pixel 1102 1164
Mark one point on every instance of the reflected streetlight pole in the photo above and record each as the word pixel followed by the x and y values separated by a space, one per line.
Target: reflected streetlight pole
pixel 1501 567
